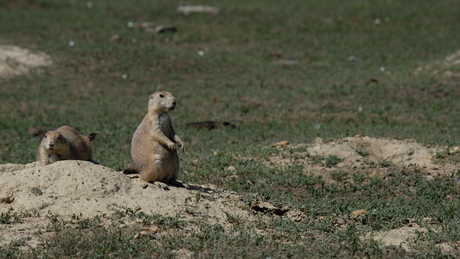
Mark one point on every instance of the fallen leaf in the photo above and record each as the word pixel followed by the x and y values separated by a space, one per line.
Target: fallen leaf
pixel 359 212
pixel 283 143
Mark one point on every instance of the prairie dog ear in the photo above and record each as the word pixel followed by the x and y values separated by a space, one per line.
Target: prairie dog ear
pixel 93 135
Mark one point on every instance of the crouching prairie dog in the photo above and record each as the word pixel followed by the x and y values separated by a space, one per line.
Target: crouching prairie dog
pixel 65 143
pixel 153 147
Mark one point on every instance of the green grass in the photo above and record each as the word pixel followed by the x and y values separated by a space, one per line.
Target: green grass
pixel 238 80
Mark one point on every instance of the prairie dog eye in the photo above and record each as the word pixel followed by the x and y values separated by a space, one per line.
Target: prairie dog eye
pixel 46 136
pixel 162 95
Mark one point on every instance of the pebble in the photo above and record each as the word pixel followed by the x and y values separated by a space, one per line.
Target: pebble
pixel 37 191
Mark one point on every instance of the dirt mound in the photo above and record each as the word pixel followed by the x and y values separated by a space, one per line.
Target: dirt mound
pixel 365 155
pixel 402 152
pixel 83 189
pixel 16 61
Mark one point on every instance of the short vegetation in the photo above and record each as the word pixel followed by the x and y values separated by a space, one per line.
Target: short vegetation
pixel 277 71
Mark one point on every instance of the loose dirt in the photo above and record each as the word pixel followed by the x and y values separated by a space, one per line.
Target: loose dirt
pixel 15 61
pixel 363 155
pixel 82 189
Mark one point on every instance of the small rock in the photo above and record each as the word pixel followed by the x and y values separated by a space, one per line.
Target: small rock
pixel 154 228
pixel 287 62
pixel 231 168
pixel 186 9
pixel 295 215
pixel 37 191
pixel 446 248
pixel 376 173
pixel 115 37
pixel 340 222
pixel 353 59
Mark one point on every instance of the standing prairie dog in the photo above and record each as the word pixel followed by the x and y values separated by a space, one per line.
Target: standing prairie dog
pixel 153 147
pixel 65 143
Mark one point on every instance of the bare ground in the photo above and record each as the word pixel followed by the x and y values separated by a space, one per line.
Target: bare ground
pixel 81 189
pixel 16 61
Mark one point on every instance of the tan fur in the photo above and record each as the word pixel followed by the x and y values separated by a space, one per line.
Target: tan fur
pixel 153 147
pixel 65 143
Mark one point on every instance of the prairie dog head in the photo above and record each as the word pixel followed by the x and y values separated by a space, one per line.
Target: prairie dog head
pixel 52 140
pixel 162 102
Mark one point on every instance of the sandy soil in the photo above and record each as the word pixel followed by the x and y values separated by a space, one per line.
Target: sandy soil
pixel 16 61
pixel 78 188
pixel 84 189
pixel 393 152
